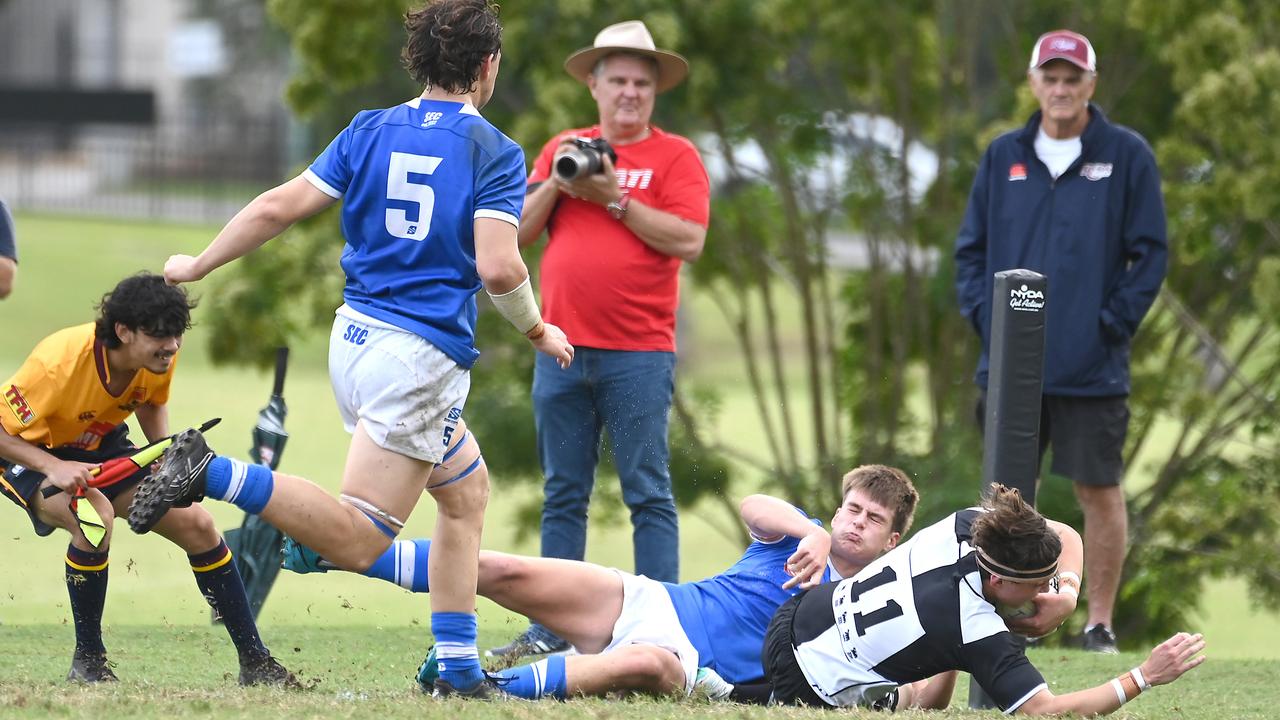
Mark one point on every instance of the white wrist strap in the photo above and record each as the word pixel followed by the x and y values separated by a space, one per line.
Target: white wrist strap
pixel 1142 681
pixel 1115 685
pixel 518 307
pixel 1069 583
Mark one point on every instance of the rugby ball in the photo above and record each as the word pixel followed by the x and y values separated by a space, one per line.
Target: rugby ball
pixel 1008 612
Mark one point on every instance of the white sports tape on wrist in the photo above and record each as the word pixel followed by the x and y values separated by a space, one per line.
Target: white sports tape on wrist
pixel 1142 681
pixel 518 307
pixel 1115 685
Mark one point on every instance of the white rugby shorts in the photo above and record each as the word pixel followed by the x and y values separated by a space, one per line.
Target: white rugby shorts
pixel 406 393
pixel 649 617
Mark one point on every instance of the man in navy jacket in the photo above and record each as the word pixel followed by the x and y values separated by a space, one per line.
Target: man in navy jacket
pixel 1077 199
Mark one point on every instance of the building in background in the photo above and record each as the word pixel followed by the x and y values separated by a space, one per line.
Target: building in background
pixel 140 108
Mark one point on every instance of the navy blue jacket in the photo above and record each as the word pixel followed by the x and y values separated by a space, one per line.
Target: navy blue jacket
pixel 8 247
pixel 1097 233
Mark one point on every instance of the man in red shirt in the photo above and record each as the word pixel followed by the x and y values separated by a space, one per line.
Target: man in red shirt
pixel 610 279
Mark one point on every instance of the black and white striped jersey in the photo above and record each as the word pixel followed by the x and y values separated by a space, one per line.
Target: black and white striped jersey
pixel 916 611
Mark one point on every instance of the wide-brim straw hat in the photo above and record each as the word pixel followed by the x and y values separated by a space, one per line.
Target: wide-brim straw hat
pixel 630 37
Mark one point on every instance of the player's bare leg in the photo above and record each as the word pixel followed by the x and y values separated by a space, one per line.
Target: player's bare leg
pixel 1105 537
pixel 342 533
pixel 635 668
pixel 455 548
pixel 578 601
pixel 380 488
pixel 56 511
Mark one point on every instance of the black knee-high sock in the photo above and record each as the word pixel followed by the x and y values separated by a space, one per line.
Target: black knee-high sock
pixel 87 586
pixel 220 582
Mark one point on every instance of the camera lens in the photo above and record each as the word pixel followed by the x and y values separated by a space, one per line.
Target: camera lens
pixel 572 165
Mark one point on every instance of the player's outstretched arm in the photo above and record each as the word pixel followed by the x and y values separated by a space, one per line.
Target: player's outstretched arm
pixel 770 518
pixel 1167 662
pixel 506 280
pixel 268 215
pixel 930 694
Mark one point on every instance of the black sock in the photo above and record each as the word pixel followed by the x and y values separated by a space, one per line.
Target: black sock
pixel 752 694
pixel 220 582
pixel 87 586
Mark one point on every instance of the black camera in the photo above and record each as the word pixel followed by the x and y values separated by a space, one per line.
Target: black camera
pixel 585 157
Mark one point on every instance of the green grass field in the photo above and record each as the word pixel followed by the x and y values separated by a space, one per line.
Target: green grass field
pixel 357 640
pixel 189 671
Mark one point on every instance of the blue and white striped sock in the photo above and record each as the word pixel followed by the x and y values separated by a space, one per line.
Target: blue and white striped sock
pixel 456 653
pixel 405 564
pixel 536 680
pixel 248 486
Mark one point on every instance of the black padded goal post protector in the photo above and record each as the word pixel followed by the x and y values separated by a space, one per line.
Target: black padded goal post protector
pixel 1015 379
pixel 1011 428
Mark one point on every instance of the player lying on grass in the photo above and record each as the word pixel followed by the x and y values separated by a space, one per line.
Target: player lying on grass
pixel 934 604
pixel 66 409
pixel 636 634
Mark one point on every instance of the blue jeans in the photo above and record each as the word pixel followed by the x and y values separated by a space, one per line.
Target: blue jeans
pixel 629 393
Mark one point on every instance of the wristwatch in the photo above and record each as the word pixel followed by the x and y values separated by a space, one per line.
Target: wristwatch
pixel 618 208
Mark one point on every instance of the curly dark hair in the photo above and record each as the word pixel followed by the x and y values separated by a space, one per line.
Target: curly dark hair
pixel 143 302
pixel 1013 533
pixel 448 41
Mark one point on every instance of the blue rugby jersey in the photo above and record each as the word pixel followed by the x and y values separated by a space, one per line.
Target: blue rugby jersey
pixel 413 179
pixel 726 615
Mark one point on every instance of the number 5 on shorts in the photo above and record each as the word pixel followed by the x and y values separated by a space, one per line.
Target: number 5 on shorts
pixel 399 187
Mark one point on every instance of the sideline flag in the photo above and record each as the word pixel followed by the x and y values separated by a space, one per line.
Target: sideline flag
pixel 256 544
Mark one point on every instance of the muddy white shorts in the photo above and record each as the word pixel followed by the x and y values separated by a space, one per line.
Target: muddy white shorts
pixel 406 393
pixel 649 617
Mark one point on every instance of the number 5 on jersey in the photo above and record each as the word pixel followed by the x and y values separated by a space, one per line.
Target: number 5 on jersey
pixel 401 187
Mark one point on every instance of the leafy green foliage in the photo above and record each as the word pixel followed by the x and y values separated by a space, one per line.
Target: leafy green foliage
pixel 872 364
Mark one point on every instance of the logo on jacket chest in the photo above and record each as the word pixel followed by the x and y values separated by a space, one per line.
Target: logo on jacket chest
pixel 1017 171
pixel 1095 171
pixel 136 398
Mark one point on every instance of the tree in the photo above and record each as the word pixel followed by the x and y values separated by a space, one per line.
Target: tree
pixel 1210 363
pixel 814 120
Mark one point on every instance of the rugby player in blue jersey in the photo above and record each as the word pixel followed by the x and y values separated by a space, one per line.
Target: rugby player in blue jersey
pixel 636 634
pixel 431 196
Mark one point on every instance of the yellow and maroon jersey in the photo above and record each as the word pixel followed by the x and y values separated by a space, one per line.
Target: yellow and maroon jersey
pixel 59 398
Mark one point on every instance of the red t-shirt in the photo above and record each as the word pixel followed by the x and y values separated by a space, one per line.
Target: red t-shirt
pixel 601 284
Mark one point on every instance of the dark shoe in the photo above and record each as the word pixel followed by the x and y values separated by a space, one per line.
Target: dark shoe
pixel 533 641
pixel 428 672
pixel 267 671
pixel 179 482
pixel 486 689
pixel 1100 639
pixel 90 668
